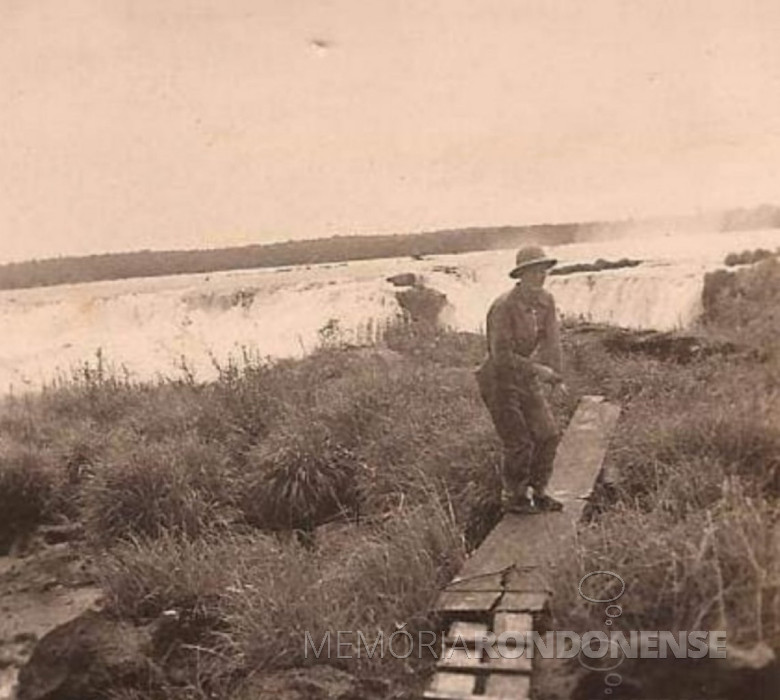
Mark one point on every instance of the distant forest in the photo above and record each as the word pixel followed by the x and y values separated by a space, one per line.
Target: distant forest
pixel 147 263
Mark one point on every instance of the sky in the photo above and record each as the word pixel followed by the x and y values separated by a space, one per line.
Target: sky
pixel 163 124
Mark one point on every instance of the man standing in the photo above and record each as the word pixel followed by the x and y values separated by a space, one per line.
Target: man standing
pixel 524 351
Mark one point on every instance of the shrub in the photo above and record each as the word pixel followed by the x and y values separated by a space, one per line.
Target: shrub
pixel 181 486
pixel 442 347
pixel 144 577
pixel 748 257
pixel 247 601
pixel 682 459
pixel 301 479
pixel 367 433
pixel 28 483
pixel 100 391
pixel 180 584
pixel 715 569
pixel 743 305
pixel 375 576
pixel 596 266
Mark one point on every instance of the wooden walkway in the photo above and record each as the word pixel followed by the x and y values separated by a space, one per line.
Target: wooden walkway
pixel 504 585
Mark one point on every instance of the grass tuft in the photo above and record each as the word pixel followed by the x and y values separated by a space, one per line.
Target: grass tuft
pixel 179 486
pixel 28 483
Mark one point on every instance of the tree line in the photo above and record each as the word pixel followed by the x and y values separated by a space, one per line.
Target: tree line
pixel 148 263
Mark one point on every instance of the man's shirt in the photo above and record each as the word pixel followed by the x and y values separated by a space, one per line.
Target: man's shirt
pixel 520 324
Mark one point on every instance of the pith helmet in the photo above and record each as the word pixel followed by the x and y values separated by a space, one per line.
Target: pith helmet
pixel 531 256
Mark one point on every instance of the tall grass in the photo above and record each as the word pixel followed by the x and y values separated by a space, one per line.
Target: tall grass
pixel 744 305
pixel 28 486
pixel 383 461
pixel 180 486
pixel 237 605
pixel 188 492
pixel 693 527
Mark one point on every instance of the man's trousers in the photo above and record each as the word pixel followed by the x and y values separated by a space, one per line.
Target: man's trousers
pixel 524 423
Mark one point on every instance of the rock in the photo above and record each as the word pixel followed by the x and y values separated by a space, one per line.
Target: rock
pixel 449 270
pixel 83 658
pixel 405 279
pixel 422 304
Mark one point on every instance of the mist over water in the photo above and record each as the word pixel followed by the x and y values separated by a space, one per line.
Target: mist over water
pixel 146 327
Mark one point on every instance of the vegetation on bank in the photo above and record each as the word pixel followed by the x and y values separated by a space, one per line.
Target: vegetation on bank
pixel 749 257
pixel 596 266
pixel 691 519
pixel 337 492
pixel 341 491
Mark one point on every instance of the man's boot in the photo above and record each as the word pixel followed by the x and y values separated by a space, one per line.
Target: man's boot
pixel 544 502
pixel 520 503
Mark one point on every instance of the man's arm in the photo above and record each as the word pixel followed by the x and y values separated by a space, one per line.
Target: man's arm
pixel 549 350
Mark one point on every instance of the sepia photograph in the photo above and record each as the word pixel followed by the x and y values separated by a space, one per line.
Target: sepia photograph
pixel 389 350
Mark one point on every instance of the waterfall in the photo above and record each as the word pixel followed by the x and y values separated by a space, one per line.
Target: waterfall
pixel 147 326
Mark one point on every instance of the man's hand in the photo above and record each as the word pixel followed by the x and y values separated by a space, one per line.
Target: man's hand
pixel 547 374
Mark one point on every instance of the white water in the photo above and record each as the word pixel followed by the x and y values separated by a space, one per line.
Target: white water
pixel 148 325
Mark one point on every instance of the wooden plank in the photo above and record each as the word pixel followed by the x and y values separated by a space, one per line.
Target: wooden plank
pixel 465 633
pixel 459 685
pixel 489 582
pixel 533 540
pixel 462 661
pixel 581 452
pixel 522 664
pixel 514 687
pixel 527 580
pixel 508 574
pixel 522 581
pixel 522 602
pixel 507 543
pixel 459 658
pixel 513 622
pixel 463 601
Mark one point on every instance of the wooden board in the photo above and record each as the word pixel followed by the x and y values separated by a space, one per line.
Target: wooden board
pixel 513 622
pixel 522 664
pixel 525 541
pixel 506 581
pixel 463 601
pixel 451 685
pixel 458 658
pixel 522 602
pixel 465 633
pixel 508 686
pixel 460 661
pixel 488 582
pixel 528 579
